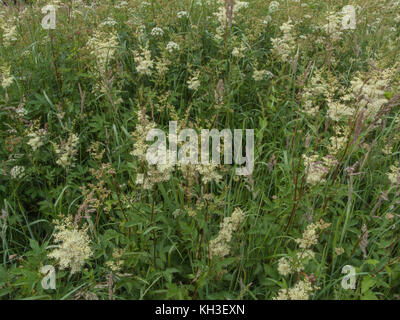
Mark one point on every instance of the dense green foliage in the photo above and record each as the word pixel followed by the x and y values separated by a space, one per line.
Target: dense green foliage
pixel 76 99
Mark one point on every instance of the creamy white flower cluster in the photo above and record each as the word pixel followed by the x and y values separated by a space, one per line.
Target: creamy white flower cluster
pixel 9 32
pixel 103 45
pixel 157 32
pixel 143 61
pixel 36 138
pixel 220 246
pixel 74 245
pixel 182 14
pixel 369 90
pixel 317 169
pixel 394 174
pixel 6 76
pixel 17 172
pixel 333 26
pixel 194 82
pixel 288 265
pixel 225 17
pixel 172 46
pixel 67 150
pixel 116 263
pixel 300 291
pixel 284 46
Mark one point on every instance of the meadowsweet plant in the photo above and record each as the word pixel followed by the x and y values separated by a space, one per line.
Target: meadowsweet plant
pixel 284 46
pixel 206 149
pixel 74 245
pixel 66 150
pixel 6 76
pixel 220 246
pixel 297 264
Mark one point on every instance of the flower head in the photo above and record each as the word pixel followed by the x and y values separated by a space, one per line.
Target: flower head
pixel 74 248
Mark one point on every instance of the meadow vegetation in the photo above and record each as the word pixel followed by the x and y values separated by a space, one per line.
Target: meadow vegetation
pixel 77 193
